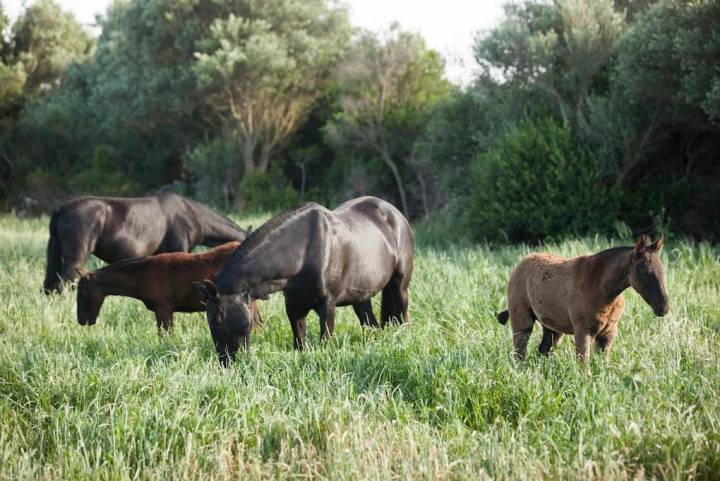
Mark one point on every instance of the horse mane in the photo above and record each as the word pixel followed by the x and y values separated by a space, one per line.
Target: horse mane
pixel 613 250
pixel 260 235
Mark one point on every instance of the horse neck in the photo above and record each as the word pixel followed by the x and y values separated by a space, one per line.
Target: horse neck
pixel 215 228
pixel 266 269
pixel 114 282
pixel 612 270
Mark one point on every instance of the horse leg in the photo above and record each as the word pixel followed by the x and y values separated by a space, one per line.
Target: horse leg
pixel 582 343
pixel 549 341
pixel 296 315
pixel 364 312
pixel 326 312
pixel 393 307
pixel 521 321
pixel 605 341
pixel 164 319
pixel 75 245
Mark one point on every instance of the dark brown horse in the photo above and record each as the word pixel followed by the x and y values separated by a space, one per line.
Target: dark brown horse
pixel 581 296
pixel 320 259
pixel 164 283
pixel 119 228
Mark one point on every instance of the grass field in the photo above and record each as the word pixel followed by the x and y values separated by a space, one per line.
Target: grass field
pixel 440 398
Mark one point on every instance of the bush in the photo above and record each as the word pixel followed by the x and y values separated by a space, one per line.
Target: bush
pixel 104 176
pixel 270 191
pixel 536 182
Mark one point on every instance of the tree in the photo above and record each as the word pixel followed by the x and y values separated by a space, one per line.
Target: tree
pixel 387 87
pixel 557 48
pixel 45 40
pixel 262 66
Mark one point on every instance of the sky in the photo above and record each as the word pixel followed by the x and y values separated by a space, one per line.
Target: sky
pixel 448 26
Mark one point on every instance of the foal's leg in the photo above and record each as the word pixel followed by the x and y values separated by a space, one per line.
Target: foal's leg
pixel 364 312
pixel 164 319
pixel 605 341
pixel 296 315
pixel 550 339
pixel 521 322
pixel 582 343
pixel 326 312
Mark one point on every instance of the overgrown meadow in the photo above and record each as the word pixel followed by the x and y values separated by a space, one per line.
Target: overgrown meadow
pixel 440 398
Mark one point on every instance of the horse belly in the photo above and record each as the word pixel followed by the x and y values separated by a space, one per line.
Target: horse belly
pixel 549 298
pixel 368 268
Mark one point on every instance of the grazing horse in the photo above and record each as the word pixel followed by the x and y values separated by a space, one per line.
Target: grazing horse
pixel 320 259
pixel 164 283
pixel 581 296
pixel 115 228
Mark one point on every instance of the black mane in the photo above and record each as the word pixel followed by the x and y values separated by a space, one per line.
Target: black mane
pixel 258 237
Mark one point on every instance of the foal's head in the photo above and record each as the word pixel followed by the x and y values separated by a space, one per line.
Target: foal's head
pixel 230 318
pixel 647 274
pixel 89 299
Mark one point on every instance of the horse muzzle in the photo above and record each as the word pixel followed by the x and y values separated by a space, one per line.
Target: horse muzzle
pixel 661 309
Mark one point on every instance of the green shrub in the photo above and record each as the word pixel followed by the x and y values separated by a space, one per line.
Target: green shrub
pixel 269 191
pixel 535 183
pixel 104 176
pixel 214 165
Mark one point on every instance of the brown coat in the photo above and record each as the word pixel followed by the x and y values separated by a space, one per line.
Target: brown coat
pixel 164 283
pixel 581 296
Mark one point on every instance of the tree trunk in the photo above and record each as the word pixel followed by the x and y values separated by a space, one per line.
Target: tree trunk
pixel 423 192
pixel 398 180
pixel 264 160
pixel 303 179
pixel 248 156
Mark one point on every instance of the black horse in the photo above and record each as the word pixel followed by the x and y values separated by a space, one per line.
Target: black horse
pixel 115 228
pixel 320 259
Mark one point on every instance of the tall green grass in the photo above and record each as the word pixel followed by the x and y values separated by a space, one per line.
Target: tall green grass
pixel 440 398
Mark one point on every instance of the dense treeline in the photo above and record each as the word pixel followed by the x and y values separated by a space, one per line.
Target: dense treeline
pixel 583 115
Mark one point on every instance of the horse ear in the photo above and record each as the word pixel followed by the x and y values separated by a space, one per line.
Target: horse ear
pixel 248 231
pixel 640 244
pixel 207 289
pixel 658 244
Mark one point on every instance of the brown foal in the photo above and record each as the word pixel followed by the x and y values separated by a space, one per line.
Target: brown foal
pixel 164 283
pixel 581 296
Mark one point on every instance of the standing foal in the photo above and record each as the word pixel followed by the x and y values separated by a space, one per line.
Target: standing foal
pixel 581 296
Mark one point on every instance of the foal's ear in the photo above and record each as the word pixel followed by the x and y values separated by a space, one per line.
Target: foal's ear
pixel 658 244
pixel 207 289
pixel 640 244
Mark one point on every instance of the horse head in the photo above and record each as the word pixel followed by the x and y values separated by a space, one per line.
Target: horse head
pixel 647 274
pixel 89 298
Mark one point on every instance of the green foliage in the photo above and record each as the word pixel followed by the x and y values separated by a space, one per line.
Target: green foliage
pixel 261 67
pixel 534 183
pixel 269 191
pixel 45 40
pixel 668 62
pixel 103 176
pixel 211 163
pixel 441 398
pixel 387 89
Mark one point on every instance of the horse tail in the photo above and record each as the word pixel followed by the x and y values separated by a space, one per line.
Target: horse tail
pixel 54 257
pixel 503 317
